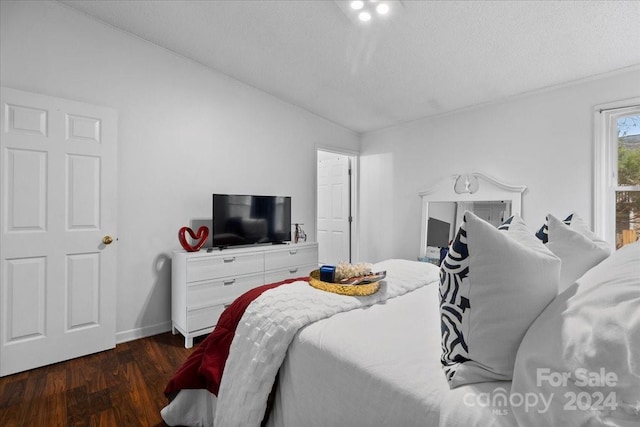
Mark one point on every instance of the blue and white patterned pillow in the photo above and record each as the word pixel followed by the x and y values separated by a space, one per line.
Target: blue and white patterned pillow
pixel 453 302
pixel 506 224
pixel 493 284
pixel 543 232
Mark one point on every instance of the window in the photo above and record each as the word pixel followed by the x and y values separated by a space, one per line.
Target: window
pixel 617 172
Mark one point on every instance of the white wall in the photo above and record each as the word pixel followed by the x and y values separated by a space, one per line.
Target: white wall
pixel 184 133
pixel 542 140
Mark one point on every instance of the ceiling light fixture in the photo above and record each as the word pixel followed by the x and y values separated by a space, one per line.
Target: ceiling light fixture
pixel 364 11
pixel 364 16
pixel 382 9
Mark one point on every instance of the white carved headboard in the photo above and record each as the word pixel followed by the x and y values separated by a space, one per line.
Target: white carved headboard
pixel 473 187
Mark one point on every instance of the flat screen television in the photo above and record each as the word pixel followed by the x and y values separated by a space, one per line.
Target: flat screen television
pixel 438 233
pixel 250 219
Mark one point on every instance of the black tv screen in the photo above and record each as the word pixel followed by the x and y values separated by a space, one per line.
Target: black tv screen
pixel 438 233
pixel 250 219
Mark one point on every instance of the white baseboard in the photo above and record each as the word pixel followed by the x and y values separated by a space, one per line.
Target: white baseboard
pixel 146 331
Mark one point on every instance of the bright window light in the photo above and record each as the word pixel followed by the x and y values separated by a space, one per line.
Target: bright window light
pixel 357 5
pixel 382 8
pixel 364 16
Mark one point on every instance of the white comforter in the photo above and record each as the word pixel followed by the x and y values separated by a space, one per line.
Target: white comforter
pixel 270 323
pixel 379 366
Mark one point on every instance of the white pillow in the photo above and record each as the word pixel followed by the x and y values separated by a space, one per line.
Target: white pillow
pixel 577 246
pixel 581 357
pixel 493 284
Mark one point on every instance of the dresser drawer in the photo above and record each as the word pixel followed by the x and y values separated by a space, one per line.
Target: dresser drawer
pixel 220 291
pixel 218 266
pixel 205 317
pixel 289 273
pixel 292 256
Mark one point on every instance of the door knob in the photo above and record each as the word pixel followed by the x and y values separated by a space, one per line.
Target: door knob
pixel 107 240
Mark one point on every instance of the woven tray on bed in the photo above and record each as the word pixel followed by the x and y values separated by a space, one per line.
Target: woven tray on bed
pixel 337 288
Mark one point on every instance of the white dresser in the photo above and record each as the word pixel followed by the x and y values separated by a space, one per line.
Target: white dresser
pixel 204 283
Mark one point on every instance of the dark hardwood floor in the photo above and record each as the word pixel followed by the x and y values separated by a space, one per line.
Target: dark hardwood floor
pixel 120 387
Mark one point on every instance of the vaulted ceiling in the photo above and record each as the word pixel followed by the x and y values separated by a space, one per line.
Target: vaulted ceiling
pixel 426 58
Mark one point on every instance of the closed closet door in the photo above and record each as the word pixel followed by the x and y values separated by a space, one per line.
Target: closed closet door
pixel 58 252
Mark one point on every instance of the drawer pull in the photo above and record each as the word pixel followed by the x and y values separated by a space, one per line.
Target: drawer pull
pixel 229 282
pixel 293 251
pixel 293 270
pixel 229 259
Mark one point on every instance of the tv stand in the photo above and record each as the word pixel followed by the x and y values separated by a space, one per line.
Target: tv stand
pixel 204 283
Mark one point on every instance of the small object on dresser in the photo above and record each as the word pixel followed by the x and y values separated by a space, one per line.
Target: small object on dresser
pixel 200 237
pixel 299 235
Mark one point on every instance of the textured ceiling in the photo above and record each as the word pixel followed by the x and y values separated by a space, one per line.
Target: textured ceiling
pixel 425 59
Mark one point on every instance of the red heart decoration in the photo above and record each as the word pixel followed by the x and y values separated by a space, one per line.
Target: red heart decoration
pixel 201 236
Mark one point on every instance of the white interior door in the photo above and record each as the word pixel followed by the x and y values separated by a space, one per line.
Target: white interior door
pixel 333 209
pixel 58 199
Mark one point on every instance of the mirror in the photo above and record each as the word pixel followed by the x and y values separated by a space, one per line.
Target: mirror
pixel 444 204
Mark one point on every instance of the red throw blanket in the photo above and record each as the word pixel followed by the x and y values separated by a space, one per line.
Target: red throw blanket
pixel 203 369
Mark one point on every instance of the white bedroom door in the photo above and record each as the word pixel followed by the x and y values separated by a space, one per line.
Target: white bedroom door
pixel 334 225
pixel 58 197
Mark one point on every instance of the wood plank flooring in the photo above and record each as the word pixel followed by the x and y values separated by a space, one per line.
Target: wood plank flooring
pixel 120 387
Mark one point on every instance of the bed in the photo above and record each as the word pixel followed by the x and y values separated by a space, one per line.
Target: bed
pixel 380 364
pixel 342 370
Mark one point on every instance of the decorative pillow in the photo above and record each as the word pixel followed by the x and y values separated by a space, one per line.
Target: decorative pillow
pixel 543 232
pixel 493 284
pixel 577 247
